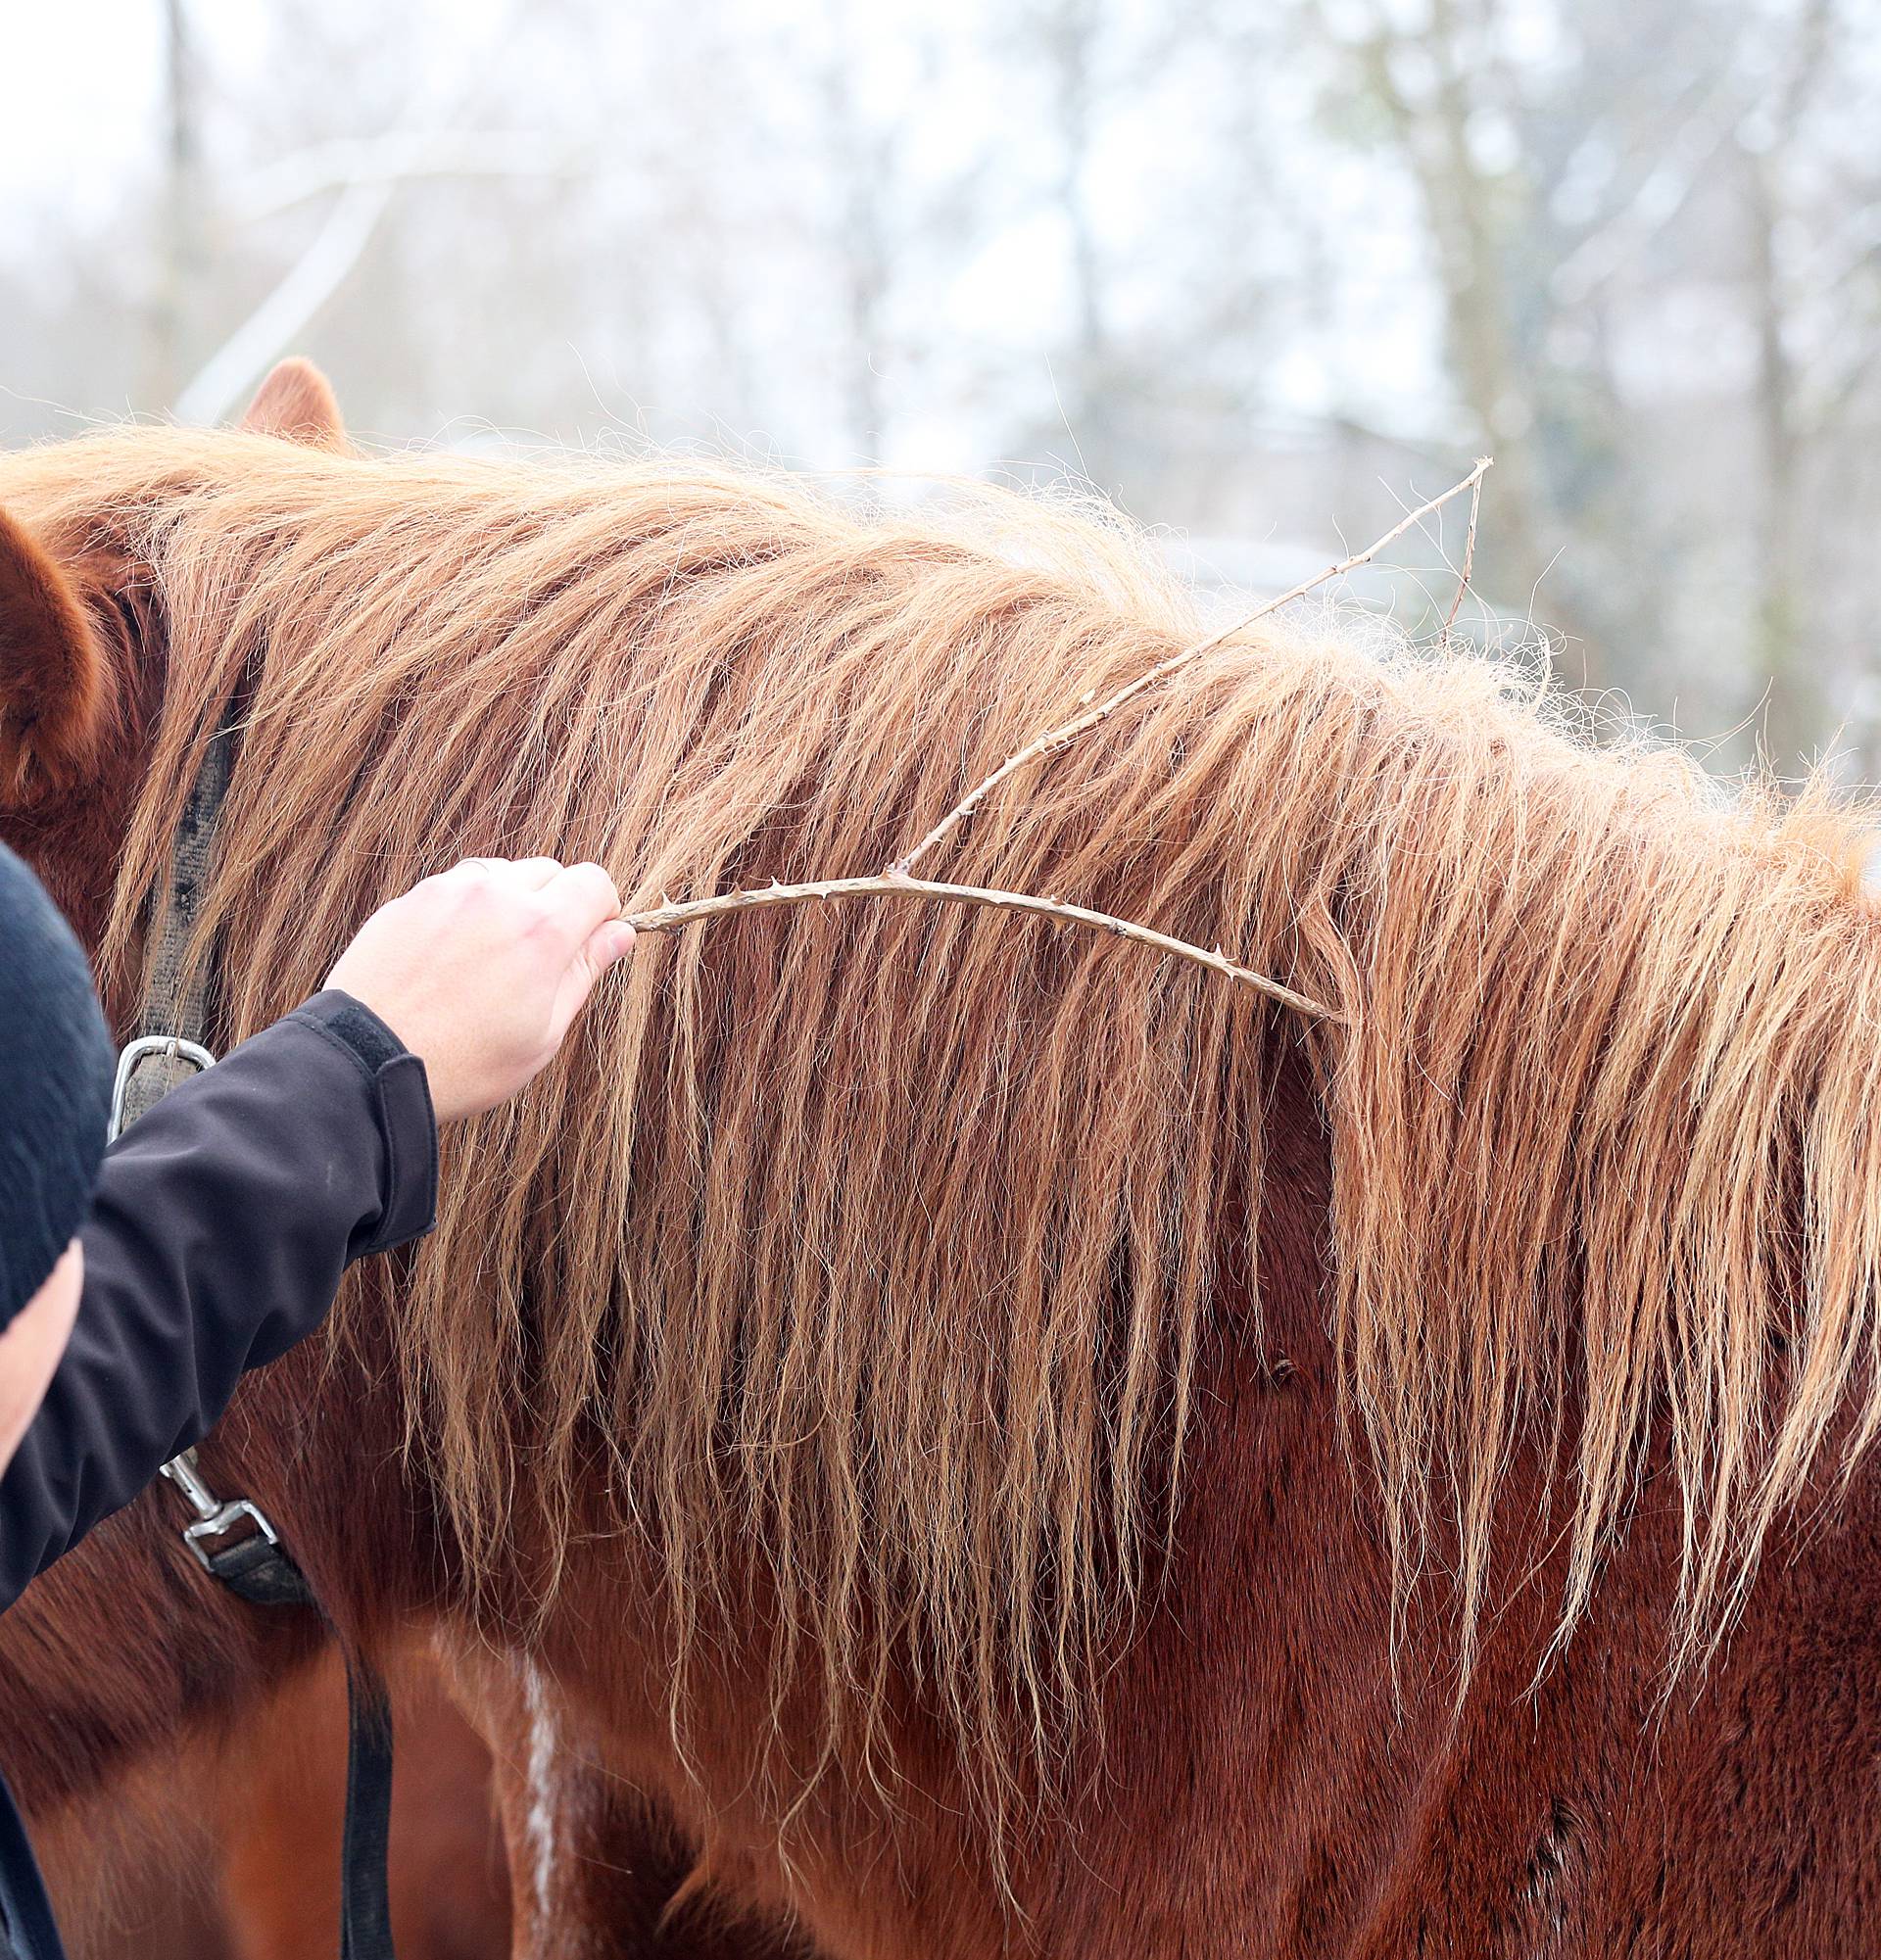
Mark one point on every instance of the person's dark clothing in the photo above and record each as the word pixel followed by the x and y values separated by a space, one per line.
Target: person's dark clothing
pixel 223 1222
pixel 55 1086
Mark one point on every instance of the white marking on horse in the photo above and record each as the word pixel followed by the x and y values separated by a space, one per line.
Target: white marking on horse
pixel 544 1749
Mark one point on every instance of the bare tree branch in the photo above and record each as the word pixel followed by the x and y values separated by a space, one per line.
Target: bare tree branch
pixel 1468 564
pixel 398 156
pixel 245 356
pixel 897 884
pixel 1059 738
pixel 365 175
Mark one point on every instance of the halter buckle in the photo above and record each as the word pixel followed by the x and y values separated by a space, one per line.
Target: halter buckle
pixel 213 1518
pixel 142 1049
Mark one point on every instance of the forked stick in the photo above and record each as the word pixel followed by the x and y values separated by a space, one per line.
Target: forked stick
pixel 1468 566
pixel 897 884
pixel 1069 732
pixel 896 881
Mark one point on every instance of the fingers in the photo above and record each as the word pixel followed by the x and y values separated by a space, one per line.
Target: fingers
pixel 578 902
pixel 608 943
pixel 533 873
pixel 530 874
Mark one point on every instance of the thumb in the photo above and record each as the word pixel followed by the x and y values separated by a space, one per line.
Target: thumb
pixel 609 942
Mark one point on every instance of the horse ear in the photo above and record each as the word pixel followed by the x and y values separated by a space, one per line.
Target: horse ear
pixel 54 676
pixel 297 403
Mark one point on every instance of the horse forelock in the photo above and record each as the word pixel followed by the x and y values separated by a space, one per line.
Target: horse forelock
pixel 875 1246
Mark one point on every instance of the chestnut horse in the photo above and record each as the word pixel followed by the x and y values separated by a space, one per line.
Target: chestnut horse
pixel 225 1843
pixel 1012 1447
pixel 186 1780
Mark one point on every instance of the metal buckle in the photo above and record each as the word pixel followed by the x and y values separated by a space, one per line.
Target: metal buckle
pixel 134 1052
pixel 213 1518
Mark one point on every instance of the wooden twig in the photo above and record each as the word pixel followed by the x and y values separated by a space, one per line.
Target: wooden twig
pixel 1469 562
pixel 1061 737
pixel 897 881
pixel 897 885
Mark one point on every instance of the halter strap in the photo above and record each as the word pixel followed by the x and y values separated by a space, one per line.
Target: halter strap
pixel 176 1008
pixel 234 1541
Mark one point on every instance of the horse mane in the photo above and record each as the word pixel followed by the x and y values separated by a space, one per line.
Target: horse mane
pixel 879 1243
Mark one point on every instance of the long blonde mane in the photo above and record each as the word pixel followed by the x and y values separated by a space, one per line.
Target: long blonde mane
pixel 880 1244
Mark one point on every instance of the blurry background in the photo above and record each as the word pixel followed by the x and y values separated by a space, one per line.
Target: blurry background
pixel 1263 271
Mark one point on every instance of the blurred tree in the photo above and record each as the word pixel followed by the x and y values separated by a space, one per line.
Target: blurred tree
pixel 1599 185
pixel 1237 267
pixel 863 163
pixel 181 257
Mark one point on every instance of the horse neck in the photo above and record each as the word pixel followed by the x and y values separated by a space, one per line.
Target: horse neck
pixel 316 1440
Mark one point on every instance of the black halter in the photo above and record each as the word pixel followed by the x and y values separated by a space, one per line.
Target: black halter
pixel 234 1541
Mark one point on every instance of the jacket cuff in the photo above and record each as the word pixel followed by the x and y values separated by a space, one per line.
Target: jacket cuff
pixel 402 1099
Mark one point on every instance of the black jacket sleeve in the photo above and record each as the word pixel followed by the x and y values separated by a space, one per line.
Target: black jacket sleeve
pixel 222 1222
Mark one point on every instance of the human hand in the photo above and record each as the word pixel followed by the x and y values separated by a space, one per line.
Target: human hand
pixel 480 971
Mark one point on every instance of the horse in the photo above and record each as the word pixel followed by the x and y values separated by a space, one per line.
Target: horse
pixel 1012 1446
pixel 223 1842
pixel 188 1796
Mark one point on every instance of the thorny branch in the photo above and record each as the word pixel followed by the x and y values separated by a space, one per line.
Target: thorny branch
pixel 897 881
pixel 1062 737
pixel 897 885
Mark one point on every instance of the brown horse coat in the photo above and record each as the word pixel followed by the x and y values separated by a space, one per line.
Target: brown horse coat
pixel 1017 1450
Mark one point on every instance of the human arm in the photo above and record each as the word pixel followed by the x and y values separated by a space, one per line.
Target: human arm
pixel 227 1215
pixel 222 1222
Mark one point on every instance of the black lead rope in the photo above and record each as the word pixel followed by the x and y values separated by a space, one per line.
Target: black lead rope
pixel 256 1566
pixel 365 1889
pixel 259 1570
